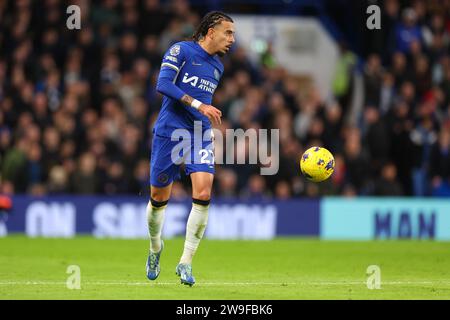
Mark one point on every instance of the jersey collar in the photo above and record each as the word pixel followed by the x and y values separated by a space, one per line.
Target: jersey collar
pixel 202 51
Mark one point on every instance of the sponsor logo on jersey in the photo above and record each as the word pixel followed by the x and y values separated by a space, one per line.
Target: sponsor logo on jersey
pixel 199 83
pixel 171 59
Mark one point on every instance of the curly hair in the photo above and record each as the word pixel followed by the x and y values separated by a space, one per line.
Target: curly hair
pixel 210 20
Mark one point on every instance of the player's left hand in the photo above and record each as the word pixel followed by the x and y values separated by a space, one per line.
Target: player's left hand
pixel 211 112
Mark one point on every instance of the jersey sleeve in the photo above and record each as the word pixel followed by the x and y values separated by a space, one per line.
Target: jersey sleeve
pixel 175 57
pixel 171 64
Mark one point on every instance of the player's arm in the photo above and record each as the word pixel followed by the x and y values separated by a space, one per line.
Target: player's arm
pixel 211 112
pixel 172 63
pixel 166 87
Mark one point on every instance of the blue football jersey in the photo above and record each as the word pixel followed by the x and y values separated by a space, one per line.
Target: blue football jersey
pixel 197 74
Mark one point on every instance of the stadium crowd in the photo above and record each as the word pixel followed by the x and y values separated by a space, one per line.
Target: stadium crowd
pixel 77 106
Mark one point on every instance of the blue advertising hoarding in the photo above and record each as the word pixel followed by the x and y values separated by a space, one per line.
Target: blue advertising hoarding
pixel 385 218
pixel 327 218
pixel 125 217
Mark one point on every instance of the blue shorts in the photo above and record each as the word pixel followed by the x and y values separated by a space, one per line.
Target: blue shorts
pixel 167 157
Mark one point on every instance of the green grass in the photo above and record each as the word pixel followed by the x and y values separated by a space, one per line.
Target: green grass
pixel 288 268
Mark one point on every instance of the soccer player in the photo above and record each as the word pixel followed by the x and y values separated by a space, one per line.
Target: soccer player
pixel 190 72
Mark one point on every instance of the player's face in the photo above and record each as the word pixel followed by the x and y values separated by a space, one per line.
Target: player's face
pixel 223 37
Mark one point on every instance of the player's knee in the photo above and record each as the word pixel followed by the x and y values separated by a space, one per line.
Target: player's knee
pixel 158 196
pixel 203 195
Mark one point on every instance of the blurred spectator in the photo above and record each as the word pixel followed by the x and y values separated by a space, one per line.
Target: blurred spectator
pixel 140 181
pixel 14 166
pixel 332 126
pixel 439 170
pixel 283 190
pixel 51 148
pixel 387 92
pixel 85 179
pixel 377 138
pixel 387 184
pixel 399 68
pixel 115 181
pixel 400 125
pixel 227 183
pixel 342 83
pixel 373 74
pixel 407 30
pixel 357 168
pixel 256 188
pixel 422 75
pixel 35 171
pixel 390 16
pixel 58 181
pixel 422 137
pixel 154 18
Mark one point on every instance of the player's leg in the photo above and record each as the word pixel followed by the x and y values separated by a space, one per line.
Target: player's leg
pixel 156 208
pixel 159 197
pixel 198 217
pixel 162 173
pixel 195 228
pixel 201 171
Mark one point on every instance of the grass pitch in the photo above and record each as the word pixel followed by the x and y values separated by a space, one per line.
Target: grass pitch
pixel 288 268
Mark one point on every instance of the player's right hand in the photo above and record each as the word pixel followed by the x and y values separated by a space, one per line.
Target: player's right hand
pixel 211 112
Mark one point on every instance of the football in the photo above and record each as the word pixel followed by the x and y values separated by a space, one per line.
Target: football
pixel 317 164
